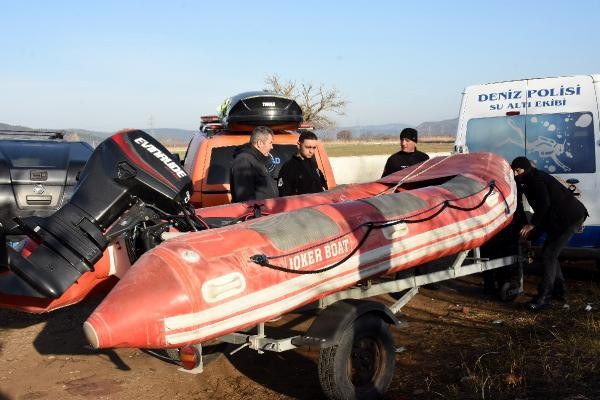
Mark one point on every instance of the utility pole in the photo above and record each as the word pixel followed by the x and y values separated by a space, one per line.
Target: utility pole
pixel 151 124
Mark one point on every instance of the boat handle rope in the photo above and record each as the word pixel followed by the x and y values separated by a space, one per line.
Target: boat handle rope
pixel 507 209
pixel 263 260
pixel 413 174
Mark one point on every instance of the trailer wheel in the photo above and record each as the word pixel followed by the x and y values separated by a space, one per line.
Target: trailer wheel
pixel 361 364
pixel 508 292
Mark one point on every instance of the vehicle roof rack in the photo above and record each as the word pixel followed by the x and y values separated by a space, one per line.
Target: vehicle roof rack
pixel 35 133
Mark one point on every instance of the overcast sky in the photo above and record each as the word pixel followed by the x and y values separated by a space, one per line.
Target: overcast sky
pixel 107 65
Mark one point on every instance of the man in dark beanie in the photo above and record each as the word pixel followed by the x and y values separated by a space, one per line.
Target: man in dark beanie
pixel 408 154
pixel 555 211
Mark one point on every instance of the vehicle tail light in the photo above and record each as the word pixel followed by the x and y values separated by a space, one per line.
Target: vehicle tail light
pixel 209 118
pixel 189 357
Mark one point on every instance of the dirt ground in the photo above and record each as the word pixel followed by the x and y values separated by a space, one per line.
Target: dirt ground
pixel 455 348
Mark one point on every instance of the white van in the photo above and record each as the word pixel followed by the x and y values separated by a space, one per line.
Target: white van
pixel 552 121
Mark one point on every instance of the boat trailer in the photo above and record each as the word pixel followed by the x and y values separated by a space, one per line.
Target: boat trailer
pixel 349 328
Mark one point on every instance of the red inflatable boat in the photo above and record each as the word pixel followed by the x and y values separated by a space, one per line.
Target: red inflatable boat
pixel 93 240
pixel 201 285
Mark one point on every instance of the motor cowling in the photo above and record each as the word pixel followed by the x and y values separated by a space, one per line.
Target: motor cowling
pixel 125 169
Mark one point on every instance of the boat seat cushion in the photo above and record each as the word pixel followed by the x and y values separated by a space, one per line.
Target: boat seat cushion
pixel 395 204
pixel 296 228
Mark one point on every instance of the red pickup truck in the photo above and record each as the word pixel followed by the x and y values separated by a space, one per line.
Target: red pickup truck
pixel 210 152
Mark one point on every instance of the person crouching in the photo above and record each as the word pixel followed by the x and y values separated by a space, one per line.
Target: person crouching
pixel 559 214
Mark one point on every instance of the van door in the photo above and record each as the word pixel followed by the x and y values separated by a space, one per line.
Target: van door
pixel 562 136
pixel 552 121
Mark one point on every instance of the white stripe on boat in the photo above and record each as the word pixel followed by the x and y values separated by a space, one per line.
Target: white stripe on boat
pixel 454 234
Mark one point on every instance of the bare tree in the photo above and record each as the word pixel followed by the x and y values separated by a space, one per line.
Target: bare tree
pixel 315 101
pixel 344 135
pixel 74 137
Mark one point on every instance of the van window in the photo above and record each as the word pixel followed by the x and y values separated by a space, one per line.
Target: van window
pixel 501 135
pixel 557 143
pixel 222 157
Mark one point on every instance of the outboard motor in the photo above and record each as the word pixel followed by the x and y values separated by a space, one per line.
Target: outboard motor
pixel 128 170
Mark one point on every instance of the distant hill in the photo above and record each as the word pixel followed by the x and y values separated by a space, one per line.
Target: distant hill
pixel 365 131
pixel 447 127
pixel 92 137
pixel 180 137
pixel 167 136
pixel 13 127
pixel 387 131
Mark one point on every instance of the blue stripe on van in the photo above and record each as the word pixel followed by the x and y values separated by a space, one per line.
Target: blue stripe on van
pixel 590 237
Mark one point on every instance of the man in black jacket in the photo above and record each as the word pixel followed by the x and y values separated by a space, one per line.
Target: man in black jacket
pixel 559 214
pixel 408 154
pixel 300 174
pixel 250 179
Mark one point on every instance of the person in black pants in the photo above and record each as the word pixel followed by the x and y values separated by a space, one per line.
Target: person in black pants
pixel 559 214
pixel 300 174
pixel 408 154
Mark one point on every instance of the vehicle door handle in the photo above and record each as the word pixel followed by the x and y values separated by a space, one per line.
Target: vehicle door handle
pixel 38 200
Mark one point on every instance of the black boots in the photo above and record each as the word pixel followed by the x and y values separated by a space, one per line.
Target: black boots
pixel 539 303
pixel 544 300
pixel 559 293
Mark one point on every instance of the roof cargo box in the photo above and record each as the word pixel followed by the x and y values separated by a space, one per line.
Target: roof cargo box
pixel 247 110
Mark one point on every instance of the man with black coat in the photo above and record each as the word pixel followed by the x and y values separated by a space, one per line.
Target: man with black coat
pixel 408 154
pixel 300 174
pixel 249 178
pixel 559 214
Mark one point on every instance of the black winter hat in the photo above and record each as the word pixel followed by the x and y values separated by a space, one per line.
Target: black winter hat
pixel 409 133
pixel 521 162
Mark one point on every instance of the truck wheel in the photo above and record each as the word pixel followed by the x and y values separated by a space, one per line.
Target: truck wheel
pixel 361 364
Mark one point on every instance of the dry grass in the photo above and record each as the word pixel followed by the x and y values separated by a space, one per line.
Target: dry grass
pixel 340 149
pixel 555 353
pixel 550 355
pixel 178 150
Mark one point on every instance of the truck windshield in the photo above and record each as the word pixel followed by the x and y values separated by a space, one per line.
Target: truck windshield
pixel 221 158
pixel 557 143
pixel 29 154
